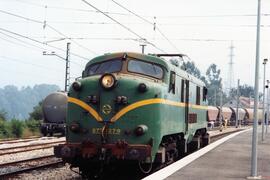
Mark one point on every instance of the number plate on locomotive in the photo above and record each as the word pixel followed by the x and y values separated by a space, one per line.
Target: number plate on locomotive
pixel 115 131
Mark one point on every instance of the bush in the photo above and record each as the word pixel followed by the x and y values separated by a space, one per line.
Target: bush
pixel 32 125
pixel 16 127
pixel 4 133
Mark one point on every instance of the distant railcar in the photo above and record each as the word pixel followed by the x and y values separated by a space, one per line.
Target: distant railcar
pixel 212 115
pixel 249 116
pixel 226 114
pixel 241 115
pixel 54 109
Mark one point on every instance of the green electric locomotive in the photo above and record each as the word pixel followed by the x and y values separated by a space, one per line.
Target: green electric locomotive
pixel 131 107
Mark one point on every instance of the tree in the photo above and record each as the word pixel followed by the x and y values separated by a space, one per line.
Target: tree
pixel 191 68
pixel 36 114
pixel 18 103
pixel 3 115
pixel 213 76
pixel 244 90
pixel 214 85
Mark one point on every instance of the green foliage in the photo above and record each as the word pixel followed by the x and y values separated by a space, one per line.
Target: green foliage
pixel 214 85
pixel 3 115
pixel 190 67
pixel 4 130
pixel 32 125
pixel 212 81
pixel 244 90
pixel 16 127
pixel 36 114
pixel 213 75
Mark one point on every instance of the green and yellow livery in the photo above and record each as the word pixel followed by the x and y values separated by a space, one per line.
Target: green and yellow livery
pixel 133 107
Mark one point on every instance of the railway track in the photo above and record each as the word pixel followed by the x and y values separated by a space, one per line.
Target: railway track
pixel 25 148
pixel 15 140
pixel 115 175
pixel 14 168
pixel 216 137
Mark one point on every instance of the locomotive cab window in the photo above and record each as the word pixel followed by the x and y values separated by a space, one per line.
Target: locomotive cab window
pixel 104 67
pixel 198 95
pixel 145 68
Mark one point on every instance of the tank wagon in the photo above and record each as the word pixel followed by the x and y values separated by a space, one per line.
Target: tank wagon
pixel 135 108
pixel 54 109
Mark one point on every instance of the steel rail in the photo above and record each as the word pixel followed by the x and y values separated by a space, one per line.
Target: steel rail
pixel 25 160
pixel 28 148
pixel 23 170
pixel 32 145
pixel 17 140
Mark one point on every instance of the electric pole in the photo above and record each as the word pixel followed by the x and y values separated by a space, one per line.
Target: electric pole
pixel 267 106
pixel 67 60
pixel 264 115
pixel 237 105
pixel 230 71
pixel 254 157
pixel 67 77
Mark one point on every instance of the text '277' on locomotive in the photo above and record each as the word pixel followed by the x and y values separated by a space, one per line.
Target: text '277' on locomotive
pixel 131 107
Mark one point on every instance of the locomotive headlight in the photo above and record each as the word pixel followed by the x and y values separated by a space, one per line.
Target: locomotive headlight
pixel 140 130
pixel 107 81
pixel 77 86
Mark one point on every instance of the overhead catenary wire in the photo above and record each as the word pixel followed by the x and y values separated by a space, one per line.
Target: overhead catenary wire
pixel 25 62
pixel 36 49
pixel 27 43
pixel 45 24
pixel 125 14
pixel 39 42
pixel 69 9
pixel 55 38
pixel 28 74
pixel 16 43
pixel 216 16
pixel 125 27
pixel 72 40
pixel 149 22
pixel 137 23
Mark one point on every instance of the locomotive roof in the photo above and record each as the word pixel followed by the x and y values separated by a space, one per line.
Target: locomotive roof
pixel 108 56
pixel 152 58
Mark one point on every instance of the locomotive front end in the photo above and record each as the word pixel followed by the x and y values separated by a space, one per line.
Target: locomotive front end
pixel 113 111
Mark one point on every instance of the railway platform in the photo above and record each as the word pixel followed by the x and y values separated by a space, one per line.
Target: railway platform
pixel 229 160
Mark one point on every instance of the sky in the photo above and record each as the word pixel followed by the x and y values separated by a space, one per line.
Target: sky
pixel 202 29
